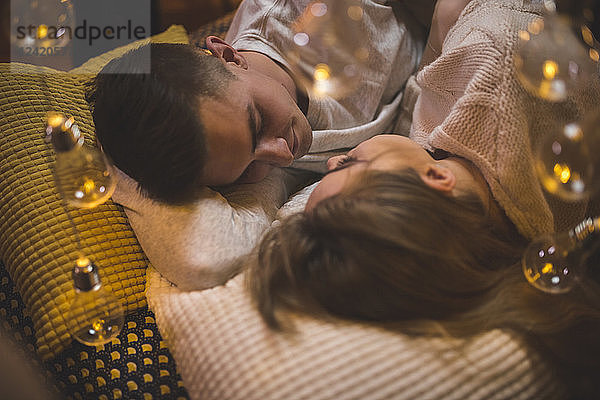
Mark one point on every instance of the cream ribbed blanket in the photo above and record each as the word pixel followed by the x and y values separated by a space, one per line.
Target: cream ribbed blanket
pixel 472 105
pixel 224 351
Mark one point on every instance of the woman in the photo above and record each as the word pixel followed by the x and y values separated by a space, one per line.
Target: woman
pixel 425 236
pixel 388 249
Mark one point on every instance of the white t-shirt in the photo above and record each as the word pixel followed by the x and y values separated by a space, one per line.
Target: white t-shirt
pixel 394 52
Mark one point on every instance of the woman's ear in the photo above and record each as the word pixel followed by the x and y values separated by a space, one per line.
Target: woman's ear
pixel 439 178
pixel 223 50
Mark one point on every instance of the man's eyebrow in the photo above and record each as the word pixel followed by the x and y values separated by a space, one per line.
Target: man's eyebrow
pixel 252 123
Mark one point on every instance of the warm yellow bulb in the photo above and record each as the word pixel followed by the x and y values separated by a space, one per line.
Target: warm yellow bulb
pixel 88 186
pixel 594 55
pixel 550 69
pixel 42 31
pixel 98 325
pixel 548 267
pixel 322 72
pixel 83 261
pixel 562 172
pixel 550 184
pixel 55 119
pixel 557 169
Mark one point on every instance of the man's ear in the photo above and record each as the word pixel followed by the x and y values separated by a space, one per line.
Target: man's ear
pixel 439 178
pixel 223 50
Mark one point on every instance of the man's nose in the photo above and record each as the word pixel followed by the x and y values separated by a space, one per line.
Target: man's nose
pixel 274 151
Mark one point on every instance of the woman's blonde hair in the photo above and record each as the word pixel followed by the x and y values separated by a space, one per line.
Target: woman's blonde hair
pixel 390 249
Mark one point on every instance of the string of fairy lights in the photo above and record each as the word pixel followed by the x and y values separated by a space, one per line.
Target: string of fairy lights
pixel 556 57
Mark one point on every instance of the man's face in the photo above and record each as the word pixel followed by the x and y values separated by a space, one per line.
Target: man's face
pixel 254 127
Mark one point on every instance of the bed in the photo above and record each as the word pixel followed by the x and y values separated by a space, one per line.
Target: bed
pixel 200 344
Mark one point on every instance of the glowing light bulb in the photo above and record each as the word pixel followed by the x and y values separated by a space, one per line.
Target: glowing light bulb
pixel 551 61
pixel 329 51
pixel 82 173
pixel 47 21
pixel 546 264
pixel 552 263
pixel 42 31
pixel 95 314
pixel 564 164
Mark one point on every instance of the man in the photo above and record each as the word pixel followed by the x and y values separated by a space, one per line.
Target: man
pixel 232 115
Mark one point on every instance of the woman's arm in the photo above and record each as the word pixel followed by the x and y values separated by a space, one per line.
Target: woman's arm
pixel 445 14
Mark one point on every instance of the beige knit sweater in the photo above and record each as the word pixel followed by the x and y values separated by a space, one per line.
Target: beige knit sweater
pixel 472 105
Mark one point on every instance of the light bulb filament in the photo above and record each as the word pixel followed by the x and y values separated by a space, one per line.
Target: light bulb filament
pixel 88 186
pixel 98 325
pixel 547 268
pixel 55 119
pixel 83 262
pixel 531 277
pixel 322 72
pixel 562 172
pixel 550 69
pixel 42 31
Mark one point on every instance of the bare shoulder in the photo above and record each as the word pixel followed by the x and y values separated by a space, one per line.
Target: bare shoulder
pixel 446 14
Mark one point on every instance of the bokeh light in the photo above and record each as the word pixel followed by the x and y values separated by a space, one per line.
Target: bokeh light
pixel 553 59
pixel 329 51
pixel 564 164
pixel 547 264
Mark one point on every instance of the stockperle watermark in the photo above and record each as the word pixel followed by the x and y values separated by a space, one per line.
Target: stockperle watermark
pixel 62 35
pixel 89 33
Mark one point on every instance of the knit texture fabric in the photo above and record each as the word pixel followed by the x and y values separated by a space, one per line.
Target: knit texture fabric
pixel 473 106
pixel 224 350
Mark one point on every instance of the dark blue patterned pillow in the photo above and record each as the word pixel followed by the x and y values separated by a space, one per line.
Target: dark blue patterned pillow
pixel 140 367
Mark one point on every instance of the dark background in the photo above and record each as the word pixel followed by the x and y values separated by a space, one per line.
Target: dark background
pixel 190 13
pixel 195 13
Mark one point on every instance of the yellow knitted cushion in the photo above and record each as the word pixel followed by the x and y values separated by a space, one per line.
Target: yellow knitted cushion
pixel 37 242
